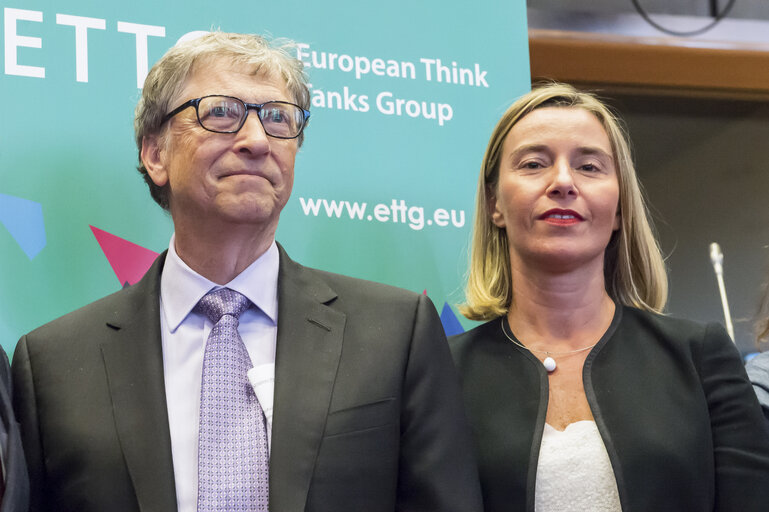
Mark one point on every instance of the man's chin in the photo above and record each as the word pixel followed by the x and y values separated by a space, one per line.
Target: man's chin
pixel 254 212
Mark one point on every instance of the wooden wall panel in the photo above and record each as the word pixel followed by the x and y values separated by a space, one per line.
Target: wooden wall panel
pixel 663 65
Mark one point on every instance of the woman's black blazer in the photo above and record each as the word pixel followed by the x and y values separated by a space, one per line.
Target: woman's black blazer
pixel 674 407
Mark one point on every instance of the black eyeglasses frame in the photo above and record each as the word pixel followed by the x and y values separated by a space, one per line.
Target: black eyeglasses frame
pixel 195 102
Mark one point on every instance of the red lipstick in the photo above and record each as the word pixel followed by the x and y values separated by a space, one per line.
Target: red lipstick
pixel 559 217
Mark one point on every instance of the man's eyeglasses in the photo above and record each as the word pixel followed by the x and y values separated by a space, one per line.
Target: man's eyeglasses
pixel 227 114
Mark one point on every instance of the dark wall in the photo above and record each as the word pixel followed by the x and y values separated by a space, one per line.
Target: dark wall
pixel 744 9
pixel 705 167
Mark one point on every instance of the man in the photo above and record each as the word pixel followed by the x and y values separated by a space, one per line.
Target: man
pixel 140 401
pixel 14 486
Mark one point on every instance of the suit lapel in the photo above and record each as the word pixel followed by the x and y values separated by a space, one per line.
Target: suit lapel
pixel 309 345
pixel 134 363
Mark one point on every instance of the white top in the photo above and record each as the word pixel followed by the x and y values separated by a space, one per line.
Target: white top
pixel 184 334
pixel 574 472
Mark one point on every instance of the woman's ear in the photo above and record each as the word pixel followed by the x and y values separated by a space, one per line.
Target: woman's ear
pixel 492 207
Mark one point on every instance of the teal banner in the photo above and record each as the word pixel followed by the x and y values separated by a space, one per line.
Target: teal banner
pixel 404 97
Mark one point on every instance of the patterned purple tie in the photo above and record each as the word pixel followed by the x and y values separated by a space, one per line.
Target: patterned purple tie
pixel 233 458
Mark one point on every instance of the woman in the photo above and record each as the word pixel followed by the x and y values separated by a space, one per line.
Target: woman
pixel 580 394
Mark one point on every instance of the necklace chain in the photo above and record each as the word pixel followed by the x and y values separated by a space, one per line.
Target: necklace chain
pixel 548 353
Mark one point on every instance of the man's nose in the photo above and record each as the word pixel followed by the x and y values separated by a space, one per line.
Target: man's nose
pixel 251 136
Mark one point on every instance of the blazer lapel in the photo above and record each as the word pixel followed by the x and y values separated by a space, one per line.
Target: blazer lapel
pixel 309 345
pixel 134 363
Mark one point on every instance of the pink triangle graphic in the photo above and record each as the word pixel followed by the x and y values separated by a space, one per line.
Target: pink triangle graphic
pixel 129 261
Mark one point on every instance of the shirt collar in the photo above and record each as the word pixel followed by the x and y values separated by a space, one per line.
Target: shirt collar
pixel 181 288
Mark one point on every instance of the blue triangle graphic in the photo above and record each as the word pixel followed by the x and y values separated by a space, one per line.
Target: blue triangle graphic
pixel 24 220
pixel 450 321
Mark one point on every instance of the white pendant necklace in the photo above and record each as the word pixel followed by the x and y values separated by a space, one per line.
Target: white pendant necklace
pixel 549 362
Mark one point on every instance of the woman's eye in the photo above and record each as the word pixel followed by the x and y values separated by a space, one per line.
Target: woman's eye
pixel 531 165
pixel 589 167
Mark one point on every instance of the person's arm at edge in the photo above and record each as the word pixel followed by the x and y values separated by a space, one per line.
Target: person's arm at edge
pixel 740 438
pixel 25 406
pixel 758 373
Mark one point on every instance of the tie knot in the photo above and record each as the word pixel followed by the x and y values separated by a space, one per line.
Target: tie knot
pixel 222 302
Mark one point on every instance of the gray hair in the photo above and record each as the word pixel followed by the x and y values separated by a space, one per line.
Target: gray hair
pixel 169 75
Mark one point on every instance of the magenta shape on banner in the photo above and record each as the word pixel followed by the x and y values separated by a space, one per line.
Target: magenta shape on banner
pixel 129 261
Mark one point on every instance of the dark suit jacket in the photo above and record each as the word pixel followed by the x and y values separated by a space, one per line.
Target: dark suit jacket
pixel 670 398
pixel 367 413
pixel 16 497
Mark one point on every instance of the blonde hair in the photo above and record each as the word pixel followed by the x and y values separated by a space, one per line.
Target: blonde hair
pixel 169 75
pixel 634 270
